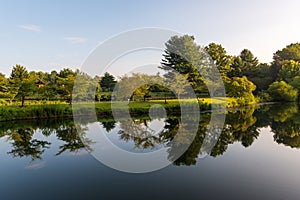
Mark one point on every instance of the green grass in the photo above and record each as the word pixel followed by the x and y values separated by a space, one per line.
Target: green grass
pixel 136 108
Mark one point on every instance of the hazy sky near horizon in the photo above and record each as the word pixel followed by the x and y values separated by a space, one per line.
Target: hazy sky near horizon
pixel 48 35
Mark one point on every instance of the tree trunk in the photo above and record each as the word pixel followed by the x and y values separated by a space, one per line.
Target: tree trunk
pixel 23 101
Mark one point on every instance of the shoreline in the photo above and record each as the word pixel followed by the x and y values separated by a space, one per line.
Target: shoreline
pixel 102 109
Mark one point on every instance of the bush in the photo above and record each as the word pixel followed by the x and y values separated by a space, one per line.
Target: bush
pixel 281 91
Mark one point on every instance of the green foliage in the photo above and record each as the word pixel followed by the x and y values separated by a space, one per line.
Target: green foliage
pixel 65 83
pixel 107 82
pixel 183 56
pixel 178 84
pixel 3 86
pixel 137 84
pixel 240 87
pixel 85 87
pixel 21 83
pixel 290 52
pixel 261 77
pixel 289 70
pixel 264 96
pixel 183 60
pixel 220 58
pixel 243 65
pixel 281 91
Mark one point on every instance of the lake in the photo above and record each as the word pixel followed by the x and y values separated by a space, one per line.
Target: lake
pixel 255 157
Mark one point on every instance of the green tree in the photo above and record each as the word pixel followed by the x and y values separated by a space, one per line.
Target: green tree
pixel 240 87
pixel 262 77
pixel 65 83
pixel 107 82
pixel 289 70
pixel 98 90
pixel 50 87
pixel 244 65
pixel 22 83
pixel 85 88
pixel 220 58
pixel 290 52
pixel 3 86
pixel 137 84
pixel 178 83
pixel 183 55
pixel 281 91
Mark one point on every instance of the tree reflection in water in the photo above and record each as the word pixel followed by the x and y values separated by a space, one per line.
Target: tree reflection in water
pixel 242 125
pixel 140 133
pixel 26 144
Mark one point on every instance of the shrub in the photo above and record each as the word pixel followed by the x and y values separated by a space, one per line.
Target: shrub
pixel 281 91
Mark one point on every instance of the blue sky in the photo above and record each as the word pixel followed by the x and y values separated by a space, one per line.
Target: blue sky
pixel 47 35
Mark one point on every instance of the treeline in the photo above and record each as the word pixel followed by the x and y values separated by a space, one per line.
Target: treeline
pixel 243 76
pixel 21 85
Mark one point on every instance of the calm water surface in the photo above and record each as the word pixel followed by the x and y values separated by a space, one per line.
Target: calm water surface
pixel 257 156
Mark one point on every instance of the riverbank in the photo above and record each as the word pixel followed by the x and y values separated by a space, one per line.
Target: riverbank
pixel 103 109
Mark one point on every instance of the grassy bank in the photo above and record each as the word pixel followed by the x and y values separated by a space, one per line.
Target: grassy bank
pixel 103 109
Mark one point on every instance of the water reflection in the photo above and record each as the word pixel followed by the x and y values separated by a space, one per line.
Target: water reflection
pixel 241 126
pixel 23 144
pixel 140 133
pixel 25 141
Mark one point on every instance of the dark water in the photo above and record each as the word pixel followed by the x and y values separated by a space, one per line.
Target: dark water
pixel 257 156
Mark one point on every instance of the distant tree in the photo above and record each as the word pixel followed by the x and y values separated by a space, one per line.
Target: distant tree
pixel 280 57
pixel 220 58
pixel 281 91
pixel 85 88
pixel 3 86
pixel 22 83
pixel 290 52
pixel 26 88
pixel 262 77
pixel 107 82
pixel 289 70
pixel 65 83
pixel 137 84
pixel 290 73
pixel 178 84
pixel 50 88
pixel 183 55
pixel 244 65
pixel 98 89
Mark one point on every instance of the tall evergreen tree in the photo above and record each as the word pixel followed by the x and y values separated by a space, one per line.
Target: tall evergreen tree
pixel 107 82
pixel 21 83
pixel 244 65
pixel 183 55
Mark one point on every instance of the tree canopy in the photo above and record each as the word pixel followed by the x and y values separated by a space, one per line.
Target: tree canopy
pixel 183 59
